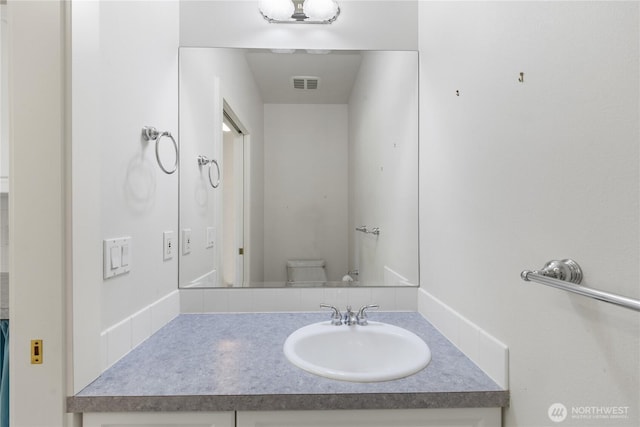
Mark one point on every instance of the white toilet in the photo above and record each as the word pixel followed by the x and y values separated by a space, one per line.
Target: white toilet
pixel 306 272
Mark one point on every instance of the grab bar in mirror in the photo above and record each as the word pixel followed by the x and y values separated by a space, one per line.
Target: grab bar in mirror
pixel 566 274
pixel 149 133
pixel 365 229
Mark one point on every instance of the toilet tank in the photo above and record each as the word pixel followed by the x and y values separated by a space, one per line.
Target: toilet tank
pixel 307 272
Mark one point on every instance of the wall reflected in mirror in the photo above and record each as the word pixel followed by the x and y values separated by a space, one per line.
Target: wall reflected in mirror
pixel 4 164
pixel 314 180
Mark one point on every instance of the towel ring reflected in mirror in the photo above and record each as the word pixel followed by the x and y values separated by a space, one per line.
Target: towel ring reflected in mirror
pixel 152 134
pixel 202 161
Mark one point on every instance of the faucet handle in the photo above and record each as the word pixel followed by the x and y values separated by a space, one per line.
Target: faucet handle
pixel 336 317
pixel 362 313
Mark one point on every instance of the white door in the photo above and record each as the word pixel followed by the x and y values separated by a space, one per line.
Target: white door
pixel 233 201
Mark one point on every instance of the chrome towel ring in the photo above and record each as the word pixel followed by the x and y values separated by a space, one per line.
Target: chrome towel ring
pixel 149 133
pixel 202 161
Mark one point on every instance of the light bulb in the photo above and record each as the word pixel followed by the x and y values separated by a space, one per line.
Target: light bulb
pixel 320 10
pixel 280 10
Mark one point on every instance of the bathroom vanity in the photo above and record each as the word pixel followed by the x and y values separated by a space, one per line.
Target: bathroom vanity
pixel 466 417
pixel 229 370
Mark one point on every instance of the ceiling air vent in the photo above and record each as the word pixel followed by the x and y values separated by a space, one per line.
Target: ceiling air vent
pixel 305 82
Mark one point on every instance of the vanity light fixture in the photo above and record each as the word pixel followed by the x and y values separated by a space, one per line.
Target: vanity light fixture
pixel 299 11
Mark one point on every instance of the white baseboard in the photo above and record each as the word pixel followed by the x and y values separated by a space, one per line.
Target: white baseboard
pixel 491 355
pixel 119 339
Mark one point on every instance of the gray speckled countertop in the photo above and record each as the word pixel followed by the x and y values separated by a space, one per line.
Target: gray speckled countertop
pixel 226 362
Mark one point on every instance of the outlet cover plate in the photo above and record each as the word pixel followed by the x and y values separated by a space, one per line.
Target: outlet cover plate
pixel 186 241
pixel 211 237
pixel 169 246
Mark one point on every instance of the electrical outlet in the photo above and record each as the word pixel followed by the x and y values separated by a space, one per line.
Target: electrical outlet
pixel 186 241
pixel 169 245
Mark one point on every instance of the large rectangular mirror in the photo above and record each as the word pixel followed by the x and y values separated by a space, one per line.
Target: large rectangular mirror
pixel 298 168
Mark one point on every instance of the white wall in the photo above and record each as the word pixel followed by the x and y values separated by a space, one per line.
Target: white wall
pixel 124 76
pixel 516 174
pixel 305 187
pixel 4 153
pixel 4 100
pixel 38 208
pixel 200 103
pixel 383 166
pixel 4 143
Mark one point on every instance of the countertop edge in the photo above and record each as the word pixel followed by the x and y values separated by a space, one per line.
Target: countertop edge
pixel 276 402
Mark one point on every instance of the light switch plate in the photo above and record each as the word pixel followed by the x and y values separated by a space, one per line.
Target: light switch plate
pixel 116 257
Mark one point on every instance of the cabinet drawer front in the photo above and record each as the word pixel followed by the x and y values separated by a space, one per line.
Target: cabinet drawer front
pixel 159 419
pixel 460 417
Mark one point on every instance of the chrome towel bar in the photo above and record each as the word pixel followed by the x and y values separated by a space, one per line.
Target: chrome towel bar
pixel 566 274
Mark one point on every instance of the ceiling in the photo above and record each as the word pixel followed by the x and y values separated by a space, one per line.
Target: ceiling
pixel 273 74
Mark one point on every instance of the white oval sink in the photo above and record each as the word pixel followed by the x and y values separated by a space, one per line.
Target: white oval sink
pixel 375 352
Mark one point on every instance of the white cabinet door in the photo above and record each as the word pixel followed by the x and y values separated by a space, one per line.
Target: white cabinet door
pixel 463 417
pixel 159 419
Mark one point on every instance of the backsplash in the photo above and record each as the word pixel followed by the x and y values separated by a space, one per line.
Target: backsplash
pixel 245 300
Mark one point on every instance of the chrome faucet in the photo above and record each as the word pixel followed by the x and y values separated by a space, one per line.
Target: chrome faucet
pixel 350 318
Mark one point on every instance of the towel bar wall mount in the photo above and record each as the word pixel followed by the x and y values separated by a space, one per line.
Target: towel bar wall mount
pixel 566 269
